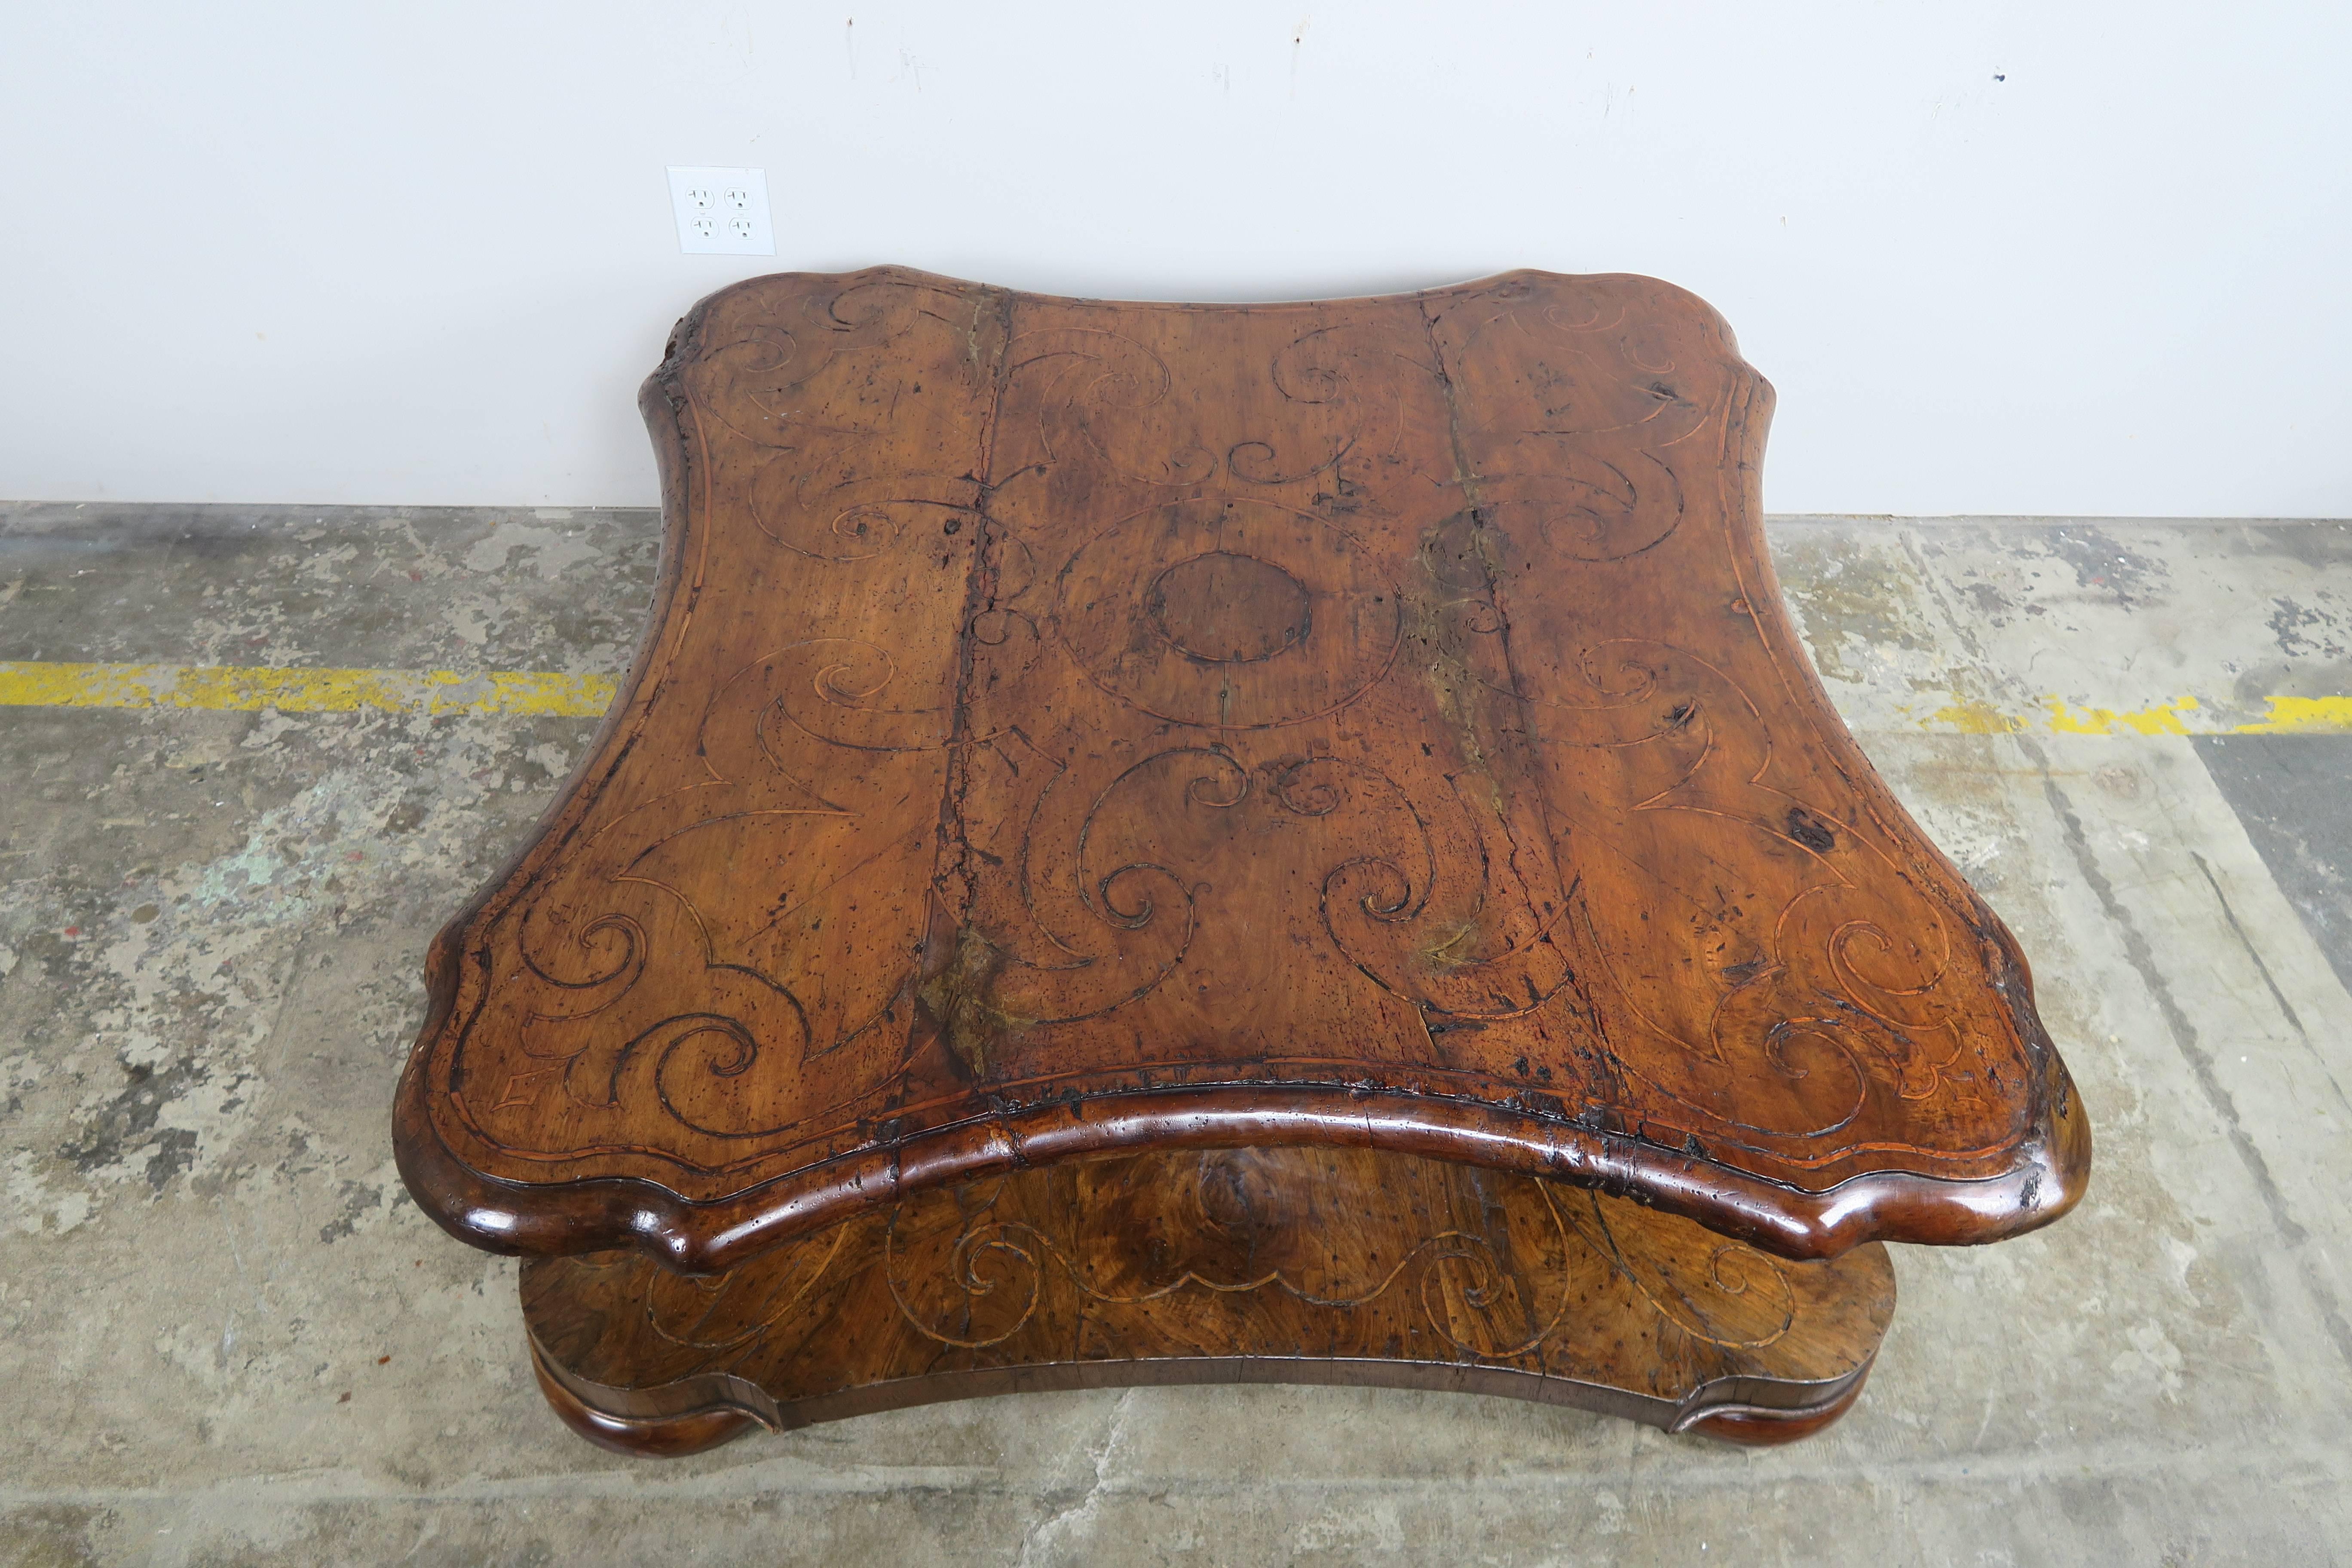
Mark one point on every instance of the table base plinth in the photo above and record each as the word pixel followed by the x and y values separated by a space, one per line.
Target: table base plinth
pixel 1286 1265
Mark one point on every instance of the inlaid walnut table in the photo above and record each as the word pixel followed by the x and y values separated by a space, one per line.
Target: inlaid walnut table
pixel 1178 843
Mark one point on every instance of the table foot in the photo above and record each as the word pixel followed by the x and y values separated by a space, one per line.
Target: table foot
pixel 1762 1426
pixel 649 1437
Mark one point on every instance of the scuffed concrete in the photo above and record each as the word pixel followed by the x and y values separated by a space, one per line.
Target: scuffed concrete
pixel 1909 619
pixel 2297 809
pixel 228 1336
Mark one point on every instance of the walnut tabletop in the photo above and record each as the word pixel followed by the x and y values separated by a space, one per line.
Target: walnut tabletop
pixel 1070 729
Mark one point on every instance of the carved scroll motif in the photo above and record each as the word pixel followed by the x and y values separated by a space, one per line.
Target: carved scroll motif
pixel 968 1279
pixel 812 767
pixel 1112 396
pixel 1813 971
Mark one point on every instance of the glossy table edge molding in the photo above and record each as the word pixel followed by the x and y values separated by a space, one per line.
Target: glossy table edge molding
pixel 598 1214
pixel 705 1238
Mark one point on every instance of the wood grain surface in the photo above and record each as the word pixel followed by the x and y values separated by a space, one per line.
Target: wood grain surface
pixel 1284 1265
pixel 1069 726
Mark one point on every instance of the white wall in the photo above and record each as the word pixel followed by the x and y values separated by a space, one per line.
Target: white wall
pixel 422 252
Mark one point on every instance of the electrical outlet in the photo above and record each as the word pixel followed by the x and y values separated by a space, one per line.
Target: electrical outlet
pixel 723 212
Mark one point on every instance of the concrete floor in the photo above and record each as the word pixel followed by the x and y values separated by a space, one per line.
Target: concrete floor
pixel 230 1338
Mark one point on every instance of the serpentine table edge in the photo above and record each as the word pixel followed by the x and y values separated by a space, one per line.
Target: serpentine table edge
pixel 1514 525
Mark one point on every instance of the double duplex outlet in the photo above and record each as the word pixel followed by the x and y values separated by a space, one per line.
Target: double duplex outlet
pixel 723 212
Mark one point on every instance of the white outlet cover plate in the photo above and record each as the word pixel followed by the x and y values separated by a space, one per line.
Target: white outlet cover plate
pixel 723 212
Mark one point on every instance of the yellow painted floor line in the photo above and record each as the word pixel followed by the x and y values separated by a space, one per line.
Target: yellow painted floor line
pixel 540 692
pixel 2181 716
pixel 239 687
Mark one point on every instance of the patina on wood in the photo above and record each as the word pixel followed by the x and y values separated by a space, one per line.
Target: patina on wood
pixel 1069 727
pixel 1271 1266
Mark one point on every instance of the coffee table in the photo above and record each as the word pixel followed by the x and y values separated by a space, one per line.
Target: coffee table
pixel 1166 843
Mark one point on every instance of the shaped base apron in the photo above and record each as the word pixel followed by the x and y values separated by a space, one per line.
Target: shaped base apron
pixel 1232 1266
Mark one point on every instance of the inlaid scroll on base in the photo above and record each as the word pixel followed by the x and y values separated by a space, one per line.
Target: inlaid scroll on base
pixel 1291 1264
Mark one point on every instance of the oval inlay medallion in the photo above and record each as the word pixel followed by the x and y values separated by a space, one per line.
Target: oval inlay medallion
pixel 1223 608
pixel 1228 612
